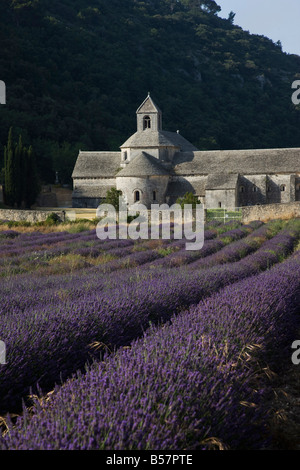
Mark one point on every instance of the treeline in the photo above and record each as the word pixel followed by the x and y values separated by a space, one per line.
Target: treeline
pixel 21 184
pixel 76 71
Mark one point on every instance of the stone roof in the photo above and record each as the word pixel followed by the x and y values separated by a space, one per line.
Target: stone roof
pixel 150 138
pixel 222 181
pixel 148 106
pixel 97 165
pixel 180 188
pixel 256 161
pixel 90 192
pixel 143 165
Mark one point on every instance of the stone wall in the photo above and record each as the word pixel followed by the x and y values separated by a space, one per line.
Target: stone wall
pixel 267 212
pixel 31 216
pixel 267 189
pixel 224 198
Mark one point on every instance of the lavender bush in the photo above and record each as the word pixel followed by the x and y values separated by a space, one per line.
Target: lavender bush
pixel 48 331
pixel 191 382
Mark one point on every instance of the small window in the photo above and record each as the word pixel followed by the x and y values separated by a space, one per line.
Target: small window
pixel 282 187
pixel 136 196
pixel 242 189
pixel 147 122
pixel 154 195
pixel 125 156
pixel 268 188
pixel 254 188
pixel 220 204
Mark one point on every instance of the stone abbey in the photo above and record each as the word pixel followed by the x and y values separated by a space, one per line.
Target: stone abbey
pixel 155 166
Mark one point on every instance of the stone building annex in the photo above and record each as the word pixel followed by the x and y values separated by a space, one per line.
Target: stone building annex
pixel 156 166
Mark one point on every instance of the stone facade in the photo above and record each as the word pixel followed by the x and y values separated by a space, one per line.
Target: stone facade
pixel 156 166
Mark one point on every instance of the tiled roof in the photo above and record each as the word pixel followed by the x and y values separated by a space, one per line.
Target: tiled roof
pixel 222 181
pixel 97 165
pixel 180 188
pixel 150 138
pixel 148 106
pixel 256 161
pixel 143 165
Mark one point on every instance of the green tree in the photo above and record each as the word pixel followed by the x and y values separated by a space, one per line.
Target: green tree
pixel 31 183
pixel 18 163
pixel 9 188
pixel 112 197
pixel 21 182
pixel 210 6
pixel 188 198
pixel 231 17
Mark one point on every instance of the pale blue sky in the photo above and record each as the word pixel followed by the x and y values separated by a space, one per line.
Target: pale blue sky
pixel 276 19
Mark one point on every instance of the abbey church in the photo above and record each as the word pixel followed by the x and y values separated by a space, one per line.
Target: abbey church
pixel 155 166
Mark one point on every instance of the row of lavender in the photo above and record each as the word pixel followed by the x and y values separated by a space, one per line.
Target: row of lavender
pixel 139 398
pixel 25 252
pixel 14 244
pixel 49 288
pixel 48 333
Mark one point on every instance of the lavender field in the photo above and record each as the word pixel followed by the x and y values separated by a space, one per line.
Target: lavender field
pixel 140 344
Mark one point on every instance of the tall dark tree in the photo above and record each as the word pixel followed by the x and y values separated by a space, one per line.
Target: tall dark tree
pixel 9 182
pixel 21 181
pixel 31 184
pixel 231 17
pixel 18 171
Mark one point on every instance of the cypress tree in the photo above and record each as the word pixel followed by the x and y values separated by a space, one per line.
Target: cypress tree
pixel 31 182
pixel 18 172
pixel 21 181
pixel 9 188
pixel 4 175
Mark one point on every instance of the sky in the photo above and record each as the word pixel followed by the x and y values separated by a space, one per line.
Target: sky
pixel 276 19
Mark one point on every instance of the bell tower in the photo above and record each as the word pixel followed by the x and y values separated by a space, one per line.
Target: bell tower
pixel 149 116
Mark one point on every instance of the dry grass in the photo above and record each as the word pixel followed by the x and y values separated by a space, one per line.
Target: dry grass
pixel 44 228
pixel 284 423
pixel 213 443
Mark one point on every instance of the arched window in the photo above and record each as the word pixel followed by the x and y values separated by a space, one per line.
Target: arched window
pixel 282 187
pixel 137 196
pixel 254 188
pixel 125 156
pixel 242 189
pixel 220 204
pixel 147 122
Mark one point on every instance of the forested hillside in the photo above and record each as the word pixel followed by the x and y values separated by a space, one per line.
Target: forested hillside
pixel 76 71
